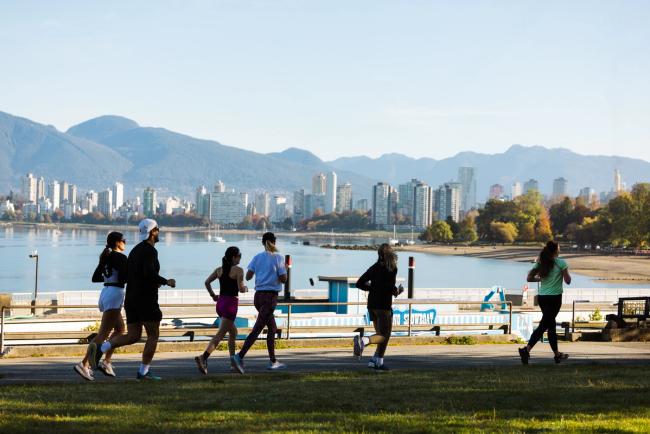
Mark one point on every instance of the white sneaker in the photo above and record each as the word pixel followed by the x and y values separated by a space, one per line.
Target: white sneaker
pixel 106 368
pixel 84 372
pixel 275 366
pixel 373 362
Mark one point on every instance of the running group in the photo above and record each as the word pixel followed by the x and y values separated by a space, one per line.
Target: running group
pixel 132 283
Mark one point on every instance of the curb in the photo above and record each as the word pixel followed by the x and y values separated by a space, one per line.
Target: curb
pixel 23 351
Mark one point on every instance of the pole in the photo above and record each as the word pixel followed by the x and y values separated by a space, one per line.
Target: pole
pixel 287 284
pixel 573 317
pixel 2 330
pixel 411 282
pixel 35 256
pixel 289 322
pixel 509 317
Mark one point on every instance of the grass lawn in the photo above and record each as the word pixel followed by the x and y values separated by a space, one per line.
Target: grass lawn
pixel 534 398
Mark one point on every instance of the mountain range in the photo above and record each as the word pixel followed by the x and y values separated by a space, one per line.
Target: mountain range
pixel 96 153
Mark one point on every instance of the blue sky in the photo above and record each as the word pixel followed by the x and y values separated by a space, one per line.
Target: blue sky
pixel 341 78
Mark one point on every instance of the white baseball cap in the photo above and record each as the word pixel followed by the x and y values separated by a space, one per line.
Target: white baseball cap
pixel 145 226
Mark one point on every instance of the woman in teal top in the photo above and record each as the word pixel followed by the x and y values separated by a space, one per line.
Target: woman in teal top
pixel 551 272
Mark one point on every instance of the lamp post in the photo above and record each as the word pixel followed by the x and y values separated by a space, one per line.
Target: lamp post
pixel 34 255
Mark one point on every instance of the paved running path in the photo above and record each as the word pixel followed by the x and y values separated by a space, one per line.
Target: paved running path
pixel 181 365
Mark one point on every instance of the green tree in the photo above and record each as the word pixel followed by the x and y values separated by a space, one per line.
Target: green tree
pixel 560 214
pixel 467 230
pixel 504 232
pixel 438 232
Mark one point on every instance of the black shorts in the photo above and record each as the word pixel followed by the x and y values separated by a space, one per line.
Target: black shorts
pixel 142 312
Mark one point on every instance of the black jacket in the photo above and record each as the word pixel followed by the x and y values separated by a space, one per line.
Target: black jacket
pixel 143 278
pixel 380 283
pixel 113 272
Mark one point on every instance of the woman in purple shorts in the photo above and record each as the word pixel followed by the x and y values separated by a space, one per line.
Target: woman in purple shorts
pixel 231 282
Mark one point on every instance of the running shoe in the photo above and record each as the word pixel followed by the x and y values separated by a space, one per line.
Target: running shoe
pixel 382 367
pixel 524 354
pixel 202 364
pixel 560 357
pixel 106 368
pixel 358 346
pixel 94 354
pixel 85 373
pixel 148 376
pixel 373 362
pixel 237 363
pixel 276 366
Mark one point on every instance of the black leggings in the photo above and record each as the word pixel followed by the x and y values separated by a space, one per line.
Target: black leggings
pixel 550 305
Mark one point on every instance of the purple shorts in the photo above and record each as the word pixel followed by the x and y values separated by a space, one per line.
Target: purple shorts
pixel 227 307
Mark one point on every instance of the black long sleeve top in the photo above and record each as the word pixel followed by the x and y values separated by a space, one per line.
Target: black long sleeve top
pixel 380 284
pixel 113 272
pixel 143 278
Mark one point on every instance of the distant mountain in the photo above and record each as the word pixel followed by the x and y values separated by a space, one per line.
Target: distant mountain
pixel 27 146
pixel 102 127
pixel 98 152
pixel 518 163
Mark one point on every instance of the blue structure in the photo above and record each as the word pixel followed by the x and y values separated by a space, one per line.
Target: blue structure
pixel 501 292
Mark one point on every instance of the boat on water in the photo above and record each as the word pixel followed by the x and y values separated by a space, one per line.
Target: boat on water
pixel 393 241
pixel 411 241
pixel 216 238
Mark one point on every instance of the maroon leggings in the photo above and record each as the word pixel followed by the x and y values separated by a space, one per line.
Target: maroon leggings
pixel 265 302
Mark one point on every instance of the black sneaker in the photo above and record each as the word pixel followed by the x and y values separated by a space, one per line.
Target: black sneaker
pixel 381 367
pixel 202 364
pixel 524 354
pixel 560 357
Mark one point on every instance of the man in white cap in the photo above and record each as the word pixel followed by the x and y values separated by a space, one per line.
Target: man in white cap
pixel 141 301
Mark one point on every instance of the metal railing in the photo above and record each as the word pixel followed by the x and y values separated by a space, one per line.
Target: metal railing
pixel 290 307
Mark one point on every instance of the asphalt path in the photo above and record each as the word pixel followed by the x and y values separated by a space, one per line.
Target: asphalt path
pixel 421 357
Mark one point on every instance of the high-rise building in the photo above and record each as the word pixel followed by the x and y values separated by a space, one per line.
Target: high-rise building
pixel 530 185
pixel 54 195
pixel 588 195
pixel 318 184
pixel 105 202
pixel 72 195
pixel 278 209
pixel 219 187
pixel 149 202
pixel 64 191
pixel 515 190
pixel 406 196
pixel 361 205
pixel 314 203
pixel 496 191
pixel 344 197
pixel 118 195
pixel 41 192
pixel 447 200
pixel 263 204
pixel 422 206
pixel 90 201
pixel 200 202
pixel 298 205
pixel 560 188
pixel 467 180
pixel 618 184
pixel 30 188
pixel 330 192
pixel 228 207
pixel 383 198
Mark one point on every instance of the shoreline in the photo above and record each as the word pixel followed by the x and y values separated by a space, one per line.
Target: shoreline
pixel 605 268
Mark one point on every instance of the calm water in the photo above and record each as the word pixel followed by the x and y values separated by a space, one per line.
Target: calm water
pixel 68 258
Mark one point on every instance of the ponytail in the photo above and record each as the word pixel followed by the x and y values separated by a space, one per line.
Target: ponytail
pixel 227 260
pixel 111 241
pixel 270 247
pixel 546 259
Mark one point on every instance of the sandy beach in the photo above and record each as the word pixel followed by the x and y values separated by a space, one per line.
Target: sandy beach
pixel 625 269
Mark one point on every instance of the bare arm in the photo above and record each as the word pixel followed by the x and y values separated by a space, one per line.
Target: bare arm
pixel 249 275
pixel 533 276
pixel 208 282
pixel 282 278
pixel 240 280
pixel 567 276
